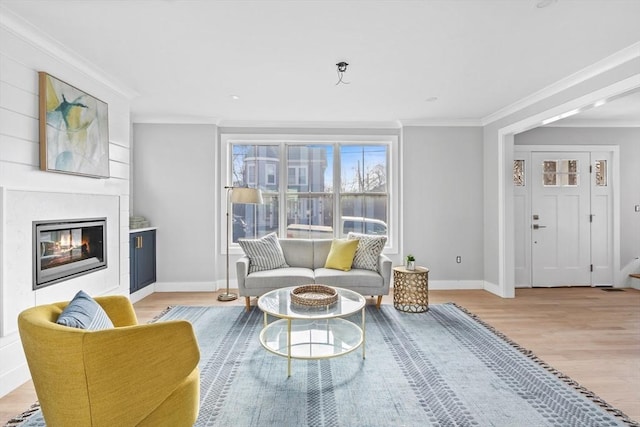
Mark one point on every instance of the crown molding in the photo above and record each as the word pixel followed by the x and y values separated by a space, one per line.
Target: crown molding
pixel 612 61
pixel 24 30
pixel 308 124
pixel 177 119
pixel 586 123
pixel 443 123
pixel 173 119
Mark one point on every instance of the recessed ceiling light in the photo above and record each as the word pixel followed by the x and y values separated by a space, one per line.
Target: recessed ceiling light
pixel 235 97
pixel 431 99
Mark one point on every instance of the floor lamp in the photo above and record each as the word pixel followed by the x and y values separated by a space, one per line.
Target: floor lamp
pixel 237 195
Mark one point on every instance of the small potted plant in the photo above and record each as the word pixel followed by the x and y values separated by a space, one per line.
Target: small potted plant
pixel 411 262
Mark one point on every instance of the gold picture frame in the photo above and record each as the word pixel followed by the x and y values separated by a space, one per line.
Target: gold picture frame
pixel 74 130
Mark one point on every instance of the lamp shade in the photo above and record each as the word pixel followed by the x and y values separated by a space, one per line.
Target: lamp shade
pixel 246 195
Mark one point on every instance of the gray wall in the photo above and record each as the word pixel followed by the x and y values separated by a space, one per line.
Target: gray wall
pixel 443 198
pixel 173 186
pixel 442 209
pixel 628 139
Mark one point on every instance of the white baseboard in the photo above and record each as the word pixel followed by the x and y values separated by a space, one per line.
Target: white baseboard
pixel 220 284
pixel 629 282
pixel 492 287
pixel 185 286
pixel 13 355
pixel 142 293
pixel 444 285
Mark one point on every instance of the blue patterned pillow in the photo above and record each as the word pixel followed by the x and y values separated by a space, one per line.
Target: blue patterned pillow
pixel 84 312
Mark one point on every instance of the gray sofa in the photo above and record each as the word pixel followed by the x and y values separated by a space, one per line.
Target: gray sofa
pixel 306 259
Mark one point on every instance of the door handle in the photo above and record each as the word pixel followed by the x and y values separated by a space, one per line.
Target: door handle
pixel 538 226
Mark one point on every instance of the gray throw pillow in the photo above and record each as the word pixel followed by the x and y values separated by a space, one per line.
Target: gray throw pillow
pixel 264 253
pixel 84 312
pixel 369 249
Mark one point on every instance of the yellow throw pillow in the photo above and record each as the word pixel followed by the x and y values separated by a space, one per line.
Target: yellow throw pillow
pixel 341 254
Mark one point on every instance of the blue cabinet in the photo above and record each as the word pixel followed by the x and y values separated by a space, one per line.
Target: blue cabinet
pixel 142 259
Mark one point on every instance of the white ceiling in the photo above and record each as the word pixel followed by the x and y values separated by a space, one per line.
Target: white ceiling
pixel 186 59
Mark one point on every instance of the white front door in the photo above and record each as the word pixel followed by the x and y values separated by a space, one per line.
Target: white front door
pixel 561 214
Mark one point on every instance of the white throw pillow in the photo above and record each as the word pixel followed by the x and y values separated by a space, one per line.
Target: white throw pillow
pixel 264 253
pixel 369 249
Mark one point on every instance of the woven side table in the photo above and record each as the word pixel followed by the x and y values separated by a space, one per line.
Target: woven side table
pixel 411 289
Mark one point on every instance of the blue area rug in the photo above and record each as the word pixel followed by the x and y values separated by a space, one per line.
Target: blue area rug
pixel 439 368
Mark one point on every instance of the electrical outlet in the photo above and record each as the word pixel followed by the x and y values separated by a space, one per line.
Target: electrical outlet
pixel 637 208
pixel 458 259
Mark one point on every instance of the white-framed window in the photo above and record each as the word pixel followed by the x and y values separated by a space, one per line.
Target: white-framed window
pixel 251 174
pixel 519 173
pixel 297 175
pixel 332 185
pixel 270 174
pixel 560 173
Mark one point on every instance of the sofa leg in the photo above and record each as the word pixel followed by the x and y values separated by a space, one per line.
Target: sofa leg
pixel 379 302
pixel 247 301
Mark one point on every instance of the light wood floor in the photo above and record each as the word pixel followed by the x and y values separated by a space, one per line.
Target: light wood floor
pixel 589 334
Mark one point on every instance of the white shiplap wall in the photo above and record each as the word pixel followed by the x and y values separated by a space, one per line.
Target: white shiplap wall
pixel 23 187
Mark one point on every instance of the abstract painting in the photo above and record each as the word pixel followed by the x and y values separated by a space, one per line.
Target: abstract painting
pixel 74 130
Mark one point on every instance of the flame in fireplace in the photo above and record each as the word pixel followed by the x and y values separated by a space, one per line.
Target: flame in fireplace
pixel 65 240
pixel 65 246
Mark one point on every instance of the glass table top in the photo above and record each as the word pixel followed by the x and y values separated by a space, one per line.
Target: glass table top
pixel 278 303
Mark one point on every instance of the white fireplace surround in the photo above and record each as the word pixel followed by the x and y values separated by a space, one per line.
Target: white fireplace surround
pixel 18 209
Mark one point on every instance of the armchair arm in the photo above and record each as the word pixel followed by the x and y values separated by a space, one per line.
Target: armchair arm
pixel 242 270
pixel 130 371
pixel 119 309
pixel 384 267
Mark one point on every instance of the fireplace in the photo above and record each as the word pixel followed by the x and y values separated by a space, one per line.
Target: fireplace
pixel 66 249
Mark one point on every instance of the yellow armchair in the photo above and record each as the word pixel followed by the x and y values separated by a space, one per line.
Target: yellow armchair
pixel 132 375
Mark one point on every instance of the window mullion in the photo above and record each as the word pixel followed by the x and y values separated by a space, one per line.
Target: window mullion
pixel 283 184
pixel 337 185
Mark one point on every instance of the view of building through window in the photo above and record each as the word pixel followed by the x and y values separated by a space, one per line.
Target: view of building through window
pixel 313 192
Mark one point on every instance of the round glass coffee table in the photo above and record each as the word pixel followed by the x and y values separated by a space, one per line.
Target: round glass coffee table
pixel 303 332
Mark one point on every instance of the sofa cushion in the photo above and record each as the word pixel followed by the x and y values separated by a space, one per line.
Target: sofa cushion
pixel 279 278
pixel 369 249
pixel 264 253
pixel 321 248
pixel 356 279
pixel 84 312
pixel 341 254
pixel 298 252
